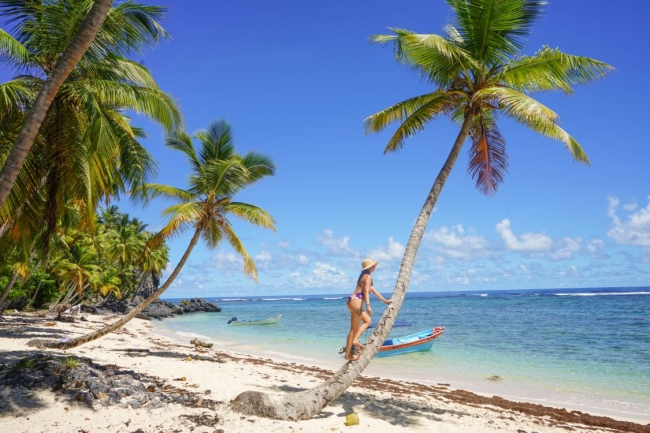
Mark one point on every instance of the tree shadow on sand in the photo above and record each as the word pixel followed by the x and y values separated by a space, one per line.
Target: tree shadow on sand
pixel 394 411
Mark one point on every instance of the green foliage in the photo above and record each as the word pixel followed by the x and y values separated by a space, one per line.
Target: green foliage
pixel 218 174
pixel 71 362
pixel 24 364
pixel 86 151
pixel 476 73
pixel 44 286
pixel 110 259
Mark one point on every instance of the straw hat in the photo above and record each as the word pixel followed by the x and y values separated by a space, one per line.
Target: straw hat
pixel 367 264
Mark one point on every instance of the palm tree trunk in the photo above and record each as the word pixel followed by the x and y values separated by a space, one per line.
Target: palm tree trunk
pixel 74 342
pixel 68 60
pixel 140 283
pixel 305 404
pixel 6 291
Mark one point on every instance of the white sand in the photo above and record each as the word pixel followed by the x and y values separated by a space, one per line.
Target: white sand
pixel 383 405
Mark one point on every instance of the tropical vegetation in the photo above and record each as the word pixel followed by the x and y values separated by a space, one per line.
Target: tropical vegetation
pixel 86 150
pixel 109 263
pixel 476 73
pixel 205 207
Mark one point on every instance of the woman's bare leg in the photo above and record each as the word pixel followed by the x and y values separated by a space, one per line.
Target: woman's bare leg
pixel 355 318
pixel 361 328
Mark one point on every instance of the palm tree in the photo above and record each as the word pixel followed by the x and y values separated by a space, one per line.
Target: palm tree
pixel 476 74
pixel 86 150
pixel 64 65
pixel 218 174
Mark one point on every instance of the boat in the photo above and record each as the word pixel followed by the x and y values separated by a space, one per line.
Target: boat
pixel 419 342
pixel 268 321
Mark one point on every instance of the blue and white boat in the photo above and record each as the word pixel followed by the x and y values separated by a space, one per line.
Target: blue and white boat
pixel 419 342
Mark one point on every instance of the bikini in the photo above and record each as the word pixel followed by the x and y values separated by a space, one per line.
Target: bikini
pixel 359 295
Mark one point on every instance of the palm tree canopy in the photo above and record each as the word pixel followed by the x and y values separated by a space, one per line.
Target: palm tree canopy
pixel 218 174
pixel 476 66
pixel 86 151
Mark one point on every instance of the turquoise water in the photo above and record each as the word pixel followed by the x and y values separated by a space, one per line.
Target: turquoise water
pixel 583 349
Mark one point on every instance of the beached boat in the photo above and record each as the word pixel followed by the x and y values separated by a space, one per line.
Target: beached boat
pixel 268 321
pixel 419 342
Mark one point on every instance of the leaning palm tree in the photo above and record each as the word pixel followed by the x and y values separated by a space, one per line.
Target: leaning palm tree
pixel 77 47
pixel 218 174
pixel 476 74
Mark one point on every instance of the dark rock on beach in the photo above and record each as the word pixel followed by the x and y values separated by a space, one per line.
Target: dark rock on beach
pixel 158 309
pixel 79 379
pixel 197 304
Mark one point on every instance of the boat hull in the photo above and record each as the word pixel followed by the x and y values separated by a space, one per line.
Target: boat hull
pixel 268 321
pixel 420 342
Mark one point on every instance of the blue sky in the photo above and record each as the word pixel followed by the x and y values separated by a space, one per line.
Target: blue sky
pixel 296 79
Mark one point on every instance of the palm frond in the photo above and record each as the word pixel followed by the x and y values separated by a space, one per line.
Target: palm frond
pixel 13 53
pixel 153 103
pixel 213 232
pixel 250 213
pixel 180 217
pixel 180 140
pixel 129 29
pixel 488 158
pixel 494 30
pixel 414 113
pixel 156 190
pixel 258 166
pixel 536 116
pixel 223 178
pixel 551 69
pixel 516 104
pixel 15 95
pixel 217 141
pixel 434 57
pixel 234 241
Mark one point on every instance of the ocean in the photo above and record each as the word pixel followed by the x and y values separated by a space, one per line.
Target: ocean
pixel 582 349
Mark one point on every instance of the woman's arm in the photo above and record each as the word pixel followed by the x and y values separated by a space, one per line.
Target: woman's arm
pixel 377 294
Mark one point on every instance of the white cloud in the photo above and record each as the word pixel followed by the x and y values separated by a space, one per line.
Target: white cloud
pixel 635 230
pixel 263 258
pixel 229 263
pixel 595 246
pixel 338 246
pixel 455 242
pixel 392 251
pixel 527 242
pixel 568 246
pixel 324 275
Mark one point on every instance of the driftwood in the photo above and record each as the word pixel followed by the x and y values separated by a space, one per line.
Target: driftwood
pixel 199 343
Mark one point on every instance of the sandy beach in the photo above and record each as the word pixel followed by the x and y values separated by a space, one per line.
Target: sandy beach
pixel 205 380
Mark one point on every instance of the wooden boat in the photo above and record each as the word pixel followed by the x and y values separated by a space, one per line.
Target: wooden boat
pixel 268 321
pixel 419 342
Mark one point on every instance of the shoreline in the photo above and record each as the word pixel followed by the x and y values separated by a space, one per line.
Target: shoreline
pixel 383 404
pixel 387 372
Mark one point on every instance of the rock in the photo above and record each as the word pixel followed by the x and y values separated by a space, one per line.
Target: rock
pixel 197 304
pixel 19 304
pixel 160 309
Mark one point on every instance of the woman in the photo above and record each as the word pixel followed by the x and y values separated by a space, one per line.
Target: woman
pixel 355 303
